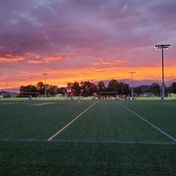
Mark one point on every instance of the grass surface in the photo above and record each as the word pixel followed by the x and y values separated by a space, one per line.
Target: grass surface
pixel 37 158
pixel 108 138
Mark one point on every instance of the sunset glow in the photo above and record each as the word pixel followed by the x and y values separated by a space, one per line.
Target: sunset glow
pixel 75 40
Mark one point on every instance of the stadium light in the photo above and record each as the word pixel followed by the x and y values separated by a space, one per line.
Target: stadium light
pixel 132 84
pixel 45 74
pixel 162 47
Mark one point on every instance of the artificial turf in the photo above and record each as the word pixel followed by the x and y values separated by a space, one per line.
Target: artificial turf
pixel 106 139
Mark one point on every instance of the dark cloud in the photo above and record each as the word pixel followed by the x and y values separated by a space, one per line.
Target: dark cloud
pixel 48 27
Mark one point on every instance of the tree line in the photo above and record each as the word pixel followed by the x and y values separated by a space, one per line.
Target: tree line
pixel 87 88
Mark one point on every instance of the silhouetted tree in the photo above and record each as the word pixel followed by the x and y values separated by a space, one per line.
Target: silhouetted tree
pixel 28 88
pixel 155 89
pixel 101 86
pixel 40 87
pixel 76 87
pixel 113 85
pixel 123 88
pixel 172 88
pixel 52 90
pixel 138 90
pixel 88 88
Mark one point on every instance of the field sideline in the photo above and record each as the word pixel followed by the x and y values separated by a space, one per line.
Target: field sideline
pixel 111 137
pixel 76 98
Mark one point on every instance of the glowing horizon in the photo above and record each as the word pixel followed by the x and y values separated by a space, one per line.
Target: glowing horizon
pixel 53 78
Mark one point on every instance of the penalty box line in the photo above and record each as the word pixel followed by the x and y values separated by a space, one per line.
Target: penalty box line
pixel 161 131
pixel 71 122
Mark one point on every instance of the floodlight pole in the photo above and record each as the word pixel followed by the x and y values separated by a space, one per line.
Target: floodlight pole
pixel 45 74
pixel 30 83
pixel 163 87
pixel 122 90
pixel 132 84
pixel 162 47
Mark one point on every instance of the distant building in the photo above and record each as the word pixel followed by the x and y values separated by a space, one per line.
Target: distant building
pixel 4 94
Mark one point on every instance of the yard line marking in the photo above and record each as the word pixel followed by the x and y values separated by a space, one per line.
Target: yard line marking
pixel 89 141
pixel 148 123
pixel 71 122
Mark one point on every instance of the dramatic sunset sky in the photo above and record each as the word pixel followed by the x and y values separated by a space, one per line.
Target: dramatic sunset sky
pixel 79 40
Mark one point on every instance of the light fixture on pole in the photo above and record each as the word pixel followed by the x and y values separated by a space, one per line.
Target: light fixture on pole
pixel 162 47
pixel 45 74
pixel 132 84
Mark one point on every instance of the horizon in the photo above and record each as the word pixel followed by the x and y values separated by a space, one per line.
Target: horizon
pixel 85 40
pixel 127 81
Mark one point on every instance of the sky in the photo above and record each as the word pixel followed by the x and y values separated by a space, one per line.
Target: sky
pixel 85 40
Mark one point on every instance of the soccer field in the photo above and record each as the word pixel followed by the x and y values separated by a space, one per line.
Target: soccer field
pixel 43 138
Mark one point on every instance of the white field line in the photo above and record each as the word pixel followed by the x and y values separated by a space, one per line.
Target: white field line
pixel 8 103
pixel 149 123
pixel 89 141
pixel 169 103
pixel 71 122
pixel 41 104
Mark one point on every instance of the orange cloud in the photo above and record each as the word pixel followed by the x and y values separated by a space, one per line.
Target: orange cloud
pixel 119 61
pixel 34 61
pixel 101 63
pixel 10 58
pixel 48 59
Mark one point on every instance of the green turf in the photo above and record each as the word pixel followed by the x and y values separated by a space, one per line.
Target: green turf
pixel 38 159
pixel 107 139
